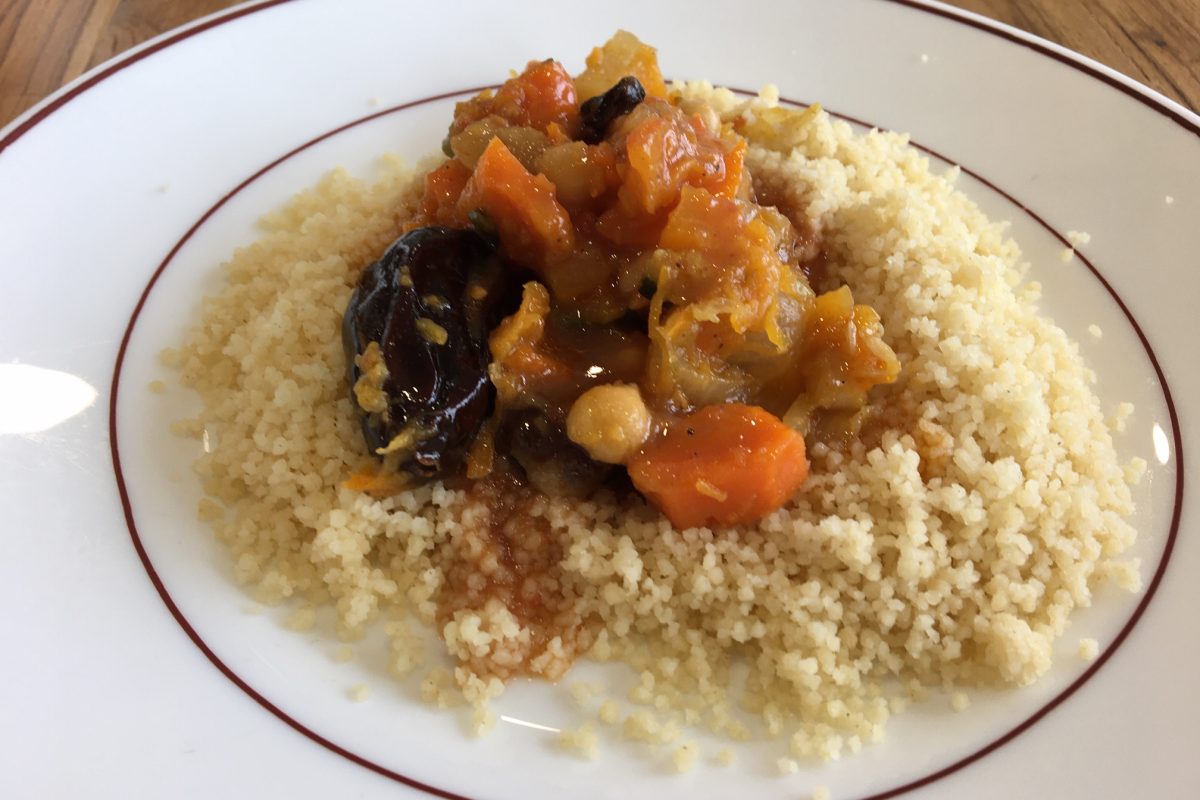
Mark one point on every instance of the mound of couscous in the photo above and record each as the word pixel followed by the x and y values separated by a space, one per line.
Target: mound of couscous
pixel 944 545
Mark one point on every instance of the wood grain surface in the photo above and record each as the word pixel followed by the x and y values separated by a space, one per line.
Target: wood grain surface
pixel 47 43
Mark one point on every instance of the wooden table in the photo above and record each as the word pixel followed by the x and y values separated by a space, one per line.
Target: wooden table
pixel 45 43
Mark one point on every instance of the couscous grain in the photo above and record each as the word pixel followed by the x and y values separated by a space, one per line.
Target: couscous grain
pixel 1089 649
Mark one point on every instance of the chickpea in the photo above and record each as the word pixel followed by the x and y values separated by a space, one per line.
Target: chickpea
pixel 610 422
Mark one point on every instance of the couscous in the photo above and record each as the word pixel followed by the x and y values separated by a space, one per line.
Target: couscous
pixel 943 543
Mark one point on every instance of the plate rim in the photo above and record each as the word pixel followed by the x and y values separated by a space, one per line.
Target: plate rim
pixel 989 746
pixel 1152 99
pixel 1186 118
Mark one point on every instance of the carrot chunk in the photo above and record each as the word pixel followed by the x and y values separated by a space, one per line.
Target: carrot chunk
pixel 665 154
pixel 723 465
pixel 533 226
pixel 376 481
pixel 443 187
pixel 727 182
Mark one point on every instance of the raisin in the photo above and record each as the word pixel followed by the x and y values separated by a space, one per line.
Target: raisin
pixel 598 113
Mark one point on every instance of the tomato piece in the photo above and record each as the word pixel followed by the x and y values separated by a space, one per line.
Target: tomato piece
pixel 546 93
pixel 541 96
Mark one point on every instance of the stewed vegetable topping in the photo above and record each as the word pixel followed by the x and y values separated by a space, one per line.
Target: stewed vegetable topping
pixel 666 326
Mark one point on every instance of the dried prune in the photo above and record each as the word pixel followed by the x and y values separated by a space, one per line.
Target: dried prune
pixel 415 335
pixel 599 112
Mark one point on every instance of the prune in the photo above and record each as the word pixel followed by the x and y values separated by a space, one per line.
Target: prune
pixel 415 336
pixel 600 111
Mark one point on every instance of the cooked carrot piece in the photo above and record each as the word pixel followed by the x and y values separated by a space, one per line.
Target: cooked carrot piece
pixel 723 465
pixel 726 184
pixel 658 165
pixel 375 481
pixel 667 152
pixel 443 187
pixel 533 226
pixel 664 154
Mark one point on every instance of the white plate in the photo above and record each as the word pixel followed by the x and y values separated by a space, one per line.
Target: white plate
pixel 137 173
